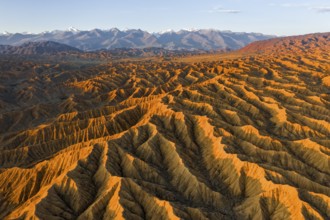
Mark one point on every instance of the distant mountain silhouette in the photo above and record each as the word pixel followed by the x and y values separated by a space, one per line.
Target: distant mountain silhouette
pixel 207 39
pixel 37 48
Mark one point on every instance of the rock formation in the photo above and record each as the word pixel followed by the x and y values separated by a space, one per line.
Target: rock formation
pixel 245 136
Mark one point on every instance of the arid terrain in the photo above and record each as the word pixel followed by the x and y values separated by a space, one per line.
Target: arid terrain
pixel 239 135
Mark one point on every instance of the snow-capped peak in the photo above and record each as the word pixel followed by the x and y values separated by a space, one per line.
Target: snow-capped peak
pixel 73 29
pixel 190 29
pixel 5 33
pixel 114 30
pixel 166 31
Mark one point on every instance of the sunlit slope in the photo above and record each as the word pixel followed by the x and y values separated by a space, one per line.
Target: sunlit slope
pixel 242 138
pixel 303 43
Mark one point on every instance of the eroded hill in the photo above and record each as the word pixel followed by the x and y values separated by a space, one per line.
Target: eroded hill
pixel 238 138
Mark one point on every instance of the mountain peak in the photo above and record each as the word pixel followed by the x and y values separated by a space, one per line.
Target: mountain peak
pixel 73 29
pixel 166 31
pixel 5 33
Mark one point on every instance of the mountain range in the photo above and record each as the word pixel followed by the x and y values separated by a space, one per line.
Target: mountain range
pixel 53 49
pixel 96 39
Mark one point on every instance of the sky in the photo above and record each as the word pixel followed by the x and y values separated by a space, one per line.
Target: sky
pixel 279 17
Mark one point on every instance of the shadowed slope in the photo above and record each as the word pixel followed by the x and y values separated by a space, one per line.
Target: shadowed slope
pixel 38 48
pixel 242 138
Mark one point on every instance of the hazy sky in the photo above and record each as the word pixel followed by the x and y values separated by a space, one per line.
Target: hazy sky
pixel 265 16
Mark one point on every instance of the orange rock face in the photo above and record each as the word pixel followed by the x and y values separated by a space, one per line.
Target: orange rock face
pixel 241 137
